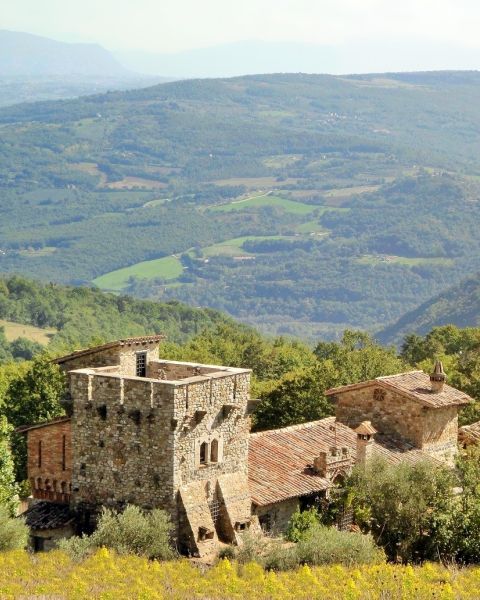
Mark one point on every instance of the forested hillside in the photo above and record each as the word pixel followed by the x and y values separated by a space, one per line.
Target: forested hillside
pixel 459 305
pixel 82 316
pixel 301 204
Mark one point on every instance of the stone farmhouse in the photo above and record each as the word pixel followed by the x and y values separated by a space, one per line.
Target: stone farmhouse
pixel 176 435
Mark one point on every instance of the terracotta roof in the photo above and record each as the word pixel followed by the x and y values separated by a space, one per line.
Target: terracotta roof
pixel 414 385
pixel 146 339
pixel 280 460
pixel 25 428
pixel 48 515
pixel 469 433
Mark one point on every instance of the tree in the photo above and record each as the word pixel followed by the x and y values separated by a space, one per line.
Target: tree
pixel 408 508
pixel 299 397
pixel 8 488
pixel 13 531
pixel 31 398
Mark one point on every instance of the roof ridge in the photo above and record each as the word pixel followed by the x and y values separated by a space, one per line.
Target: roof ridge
pixel 128 340
pixel 381 377
pixel 292 427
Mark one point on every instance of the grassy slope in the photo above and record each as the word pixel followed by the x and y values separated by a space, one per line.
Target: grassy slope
pixel 168 267
pixel 34 334
pixel 267 200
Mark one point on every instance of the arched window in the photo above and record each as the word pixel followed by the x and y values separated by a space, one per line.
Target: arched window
pixel 203 453
pixel 39 483
pixel 54 485
pixel 214 451
pixel 47 484
pixel 63 487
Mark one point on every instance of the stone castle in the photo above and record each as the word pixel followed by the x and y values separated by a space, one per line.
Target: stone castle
pixel 176 436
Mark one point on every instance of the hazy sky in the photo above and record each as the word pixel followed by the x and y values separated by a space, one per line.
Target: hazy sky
pixel 173 25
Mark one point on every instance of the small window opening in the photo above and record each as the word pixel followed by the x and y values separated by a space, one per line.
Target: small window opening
pixel 40 453
pixel 102 412
pixel 39 483
pixel 214 451
pixel 63 487
pixel 141 366
pixel 266 522
pixel 64 452
pixel 205 534
pixel 242 525
pixel 203 453
pixel 38 543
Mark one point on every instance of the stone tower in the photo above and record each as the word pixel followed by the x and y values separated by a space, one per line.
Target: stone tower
pixel 161 434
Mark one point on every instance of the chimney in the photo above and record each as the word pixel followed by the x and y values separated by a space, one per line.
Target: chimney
pixel 365 433
pixel 438 378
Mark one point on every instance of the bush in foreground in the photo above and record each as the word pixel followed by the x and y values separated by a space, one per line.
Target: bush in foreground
pixel 318 545
pixel 13 532
pixel 131 532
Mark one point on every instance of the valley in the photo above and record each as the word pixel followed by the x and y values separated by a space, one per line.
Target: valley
pixel 301 204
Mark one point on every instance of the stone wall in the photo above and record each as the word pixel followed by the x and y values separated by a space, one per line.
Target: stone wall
pixel 47 538
pixel 207 410
pixel 138 440
pixel 274 518
pixel 122 356
pixel 50 476
pixel 434 430
pixel 122 431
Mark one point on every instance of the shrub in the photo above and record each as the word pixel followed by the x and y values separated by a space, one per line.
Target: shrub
pixel 326 545
pixel 13 531
pixel 300 523
pixel 131 532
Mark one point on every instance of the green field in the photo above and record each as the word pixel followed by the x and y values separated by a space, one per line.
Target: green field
pixel 168 267
pixel 311 227
pixel 373 259
pixel 290 206
pixel 233 247
pixel 34 334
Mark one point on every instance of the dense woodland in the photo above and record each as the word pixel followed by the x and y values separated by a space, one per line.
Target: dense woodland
pixel 382 173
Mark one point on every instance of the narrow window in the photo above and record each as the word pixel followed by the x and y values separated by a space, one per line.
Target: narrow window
pixel 40 453
pixel 214 451
pixel 141 367
pixel 63 487
pixel 203 453
pixel 64 452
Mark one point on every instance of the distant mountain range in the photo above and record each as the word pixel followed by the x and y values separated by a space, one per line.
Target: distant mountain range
pixel 258 57
pixel 459 305
pixel 36 68
pixel 24 54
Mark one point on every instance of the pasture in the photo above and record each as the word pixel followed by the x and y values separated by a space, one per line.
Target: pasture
pixel 14 331
pixel 167 268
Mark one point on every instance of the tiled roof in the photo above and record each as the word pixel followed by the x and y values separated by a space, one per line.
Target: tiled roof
pixel 146 339
pixel 414 385
pixel 48 515
pixel 469 433
pixel 280 460
pixel 54 421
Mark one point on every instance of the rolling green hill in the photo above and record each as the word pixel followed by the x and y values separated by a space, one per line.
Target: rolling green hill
pixel 77 316
pixel 355 197
pixel 459 305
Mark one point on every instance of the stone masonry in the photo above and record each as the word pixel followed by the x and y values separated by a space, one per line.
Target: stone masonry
pixel 176 438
